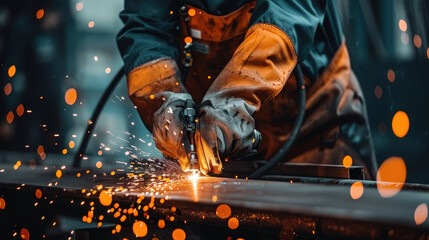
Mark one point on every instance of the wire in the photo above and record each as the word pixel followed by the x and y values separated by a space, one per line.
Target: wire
pixel 295 130
pixel 93 120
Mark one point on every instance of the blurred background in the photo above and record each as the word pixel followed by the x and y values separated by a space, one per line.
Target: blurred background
pixel 57 58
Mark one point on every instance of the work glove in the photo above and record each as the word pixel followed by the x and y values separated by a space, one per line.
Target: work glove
pixel 225 129
pixel 159 95
pixel 256 73
pixel 169 128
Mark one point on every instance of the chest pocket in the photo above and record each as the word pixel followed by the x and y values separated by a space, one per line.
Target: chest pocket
pixel 214 39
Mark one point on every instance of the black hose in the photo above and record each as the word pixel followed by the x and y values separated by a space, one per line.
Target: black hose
pixel 295 130
pixel 93 120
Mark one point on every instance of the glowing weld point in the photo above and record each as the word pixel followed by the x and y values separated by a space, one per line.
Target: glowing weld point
pixel 194 177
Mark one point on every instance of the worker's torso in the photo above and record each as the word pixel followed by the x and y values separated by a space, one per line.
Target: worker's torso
pixel 218 27
pixel 334 97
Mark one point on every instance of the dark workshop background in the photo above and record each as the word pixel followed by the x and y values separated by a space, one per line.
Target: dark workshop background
pixel 71 44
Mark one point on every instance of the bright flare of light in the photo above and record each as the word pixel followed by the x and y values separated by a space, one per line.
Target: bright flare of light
pixel 421 214
pixel 400 124
pixel 99 164
pixel 194 179
pixel 391 176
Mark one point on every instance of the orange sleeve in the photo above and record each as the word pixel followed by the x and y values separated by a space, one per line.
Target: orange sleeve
pixel 259 68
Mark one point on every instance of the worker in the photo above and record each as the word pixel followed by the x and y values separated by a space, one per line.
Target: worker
pixel 242 78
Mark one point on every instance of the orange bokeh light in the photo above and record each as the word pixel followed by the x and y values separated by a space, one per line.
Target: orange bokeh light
pixel 10 117
pixel 421 214
pixel 347 161
pixel 118 228
pixel 188 40
pixel 417 40
pixel 105 198
pixel 70 96
pixel 40 149
pixel 59 173
pixel 25 234
pixel 99 164
pixel 214 198
pixel 391 176
pixel 7 89
pixel 233 223
pixel 20 110
pixel 403 25
pixel 223 211
pixel 191 12
pixel 38 193
pixel 390 75
pixel 79 6
pixel 140 228
pixel 71 144
pixel 11 71
pixel 40 13
pixel 378 91
pixel 64 151
pixel 178 234
pixel 2 203
pixel 400 124
pixel 405 39
pixel 91 24
pixel 356 190
pixel 161 223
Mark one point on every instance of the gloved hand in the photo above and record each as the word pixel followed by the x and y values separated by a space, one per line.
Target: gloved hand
pixel 225 129
pixel 256 73
pixel 168 128
pixel 159 96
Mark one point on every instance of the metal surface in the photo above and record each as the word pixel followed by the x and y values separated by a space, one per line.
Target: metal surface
pixel 267 205
pixel 244 168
